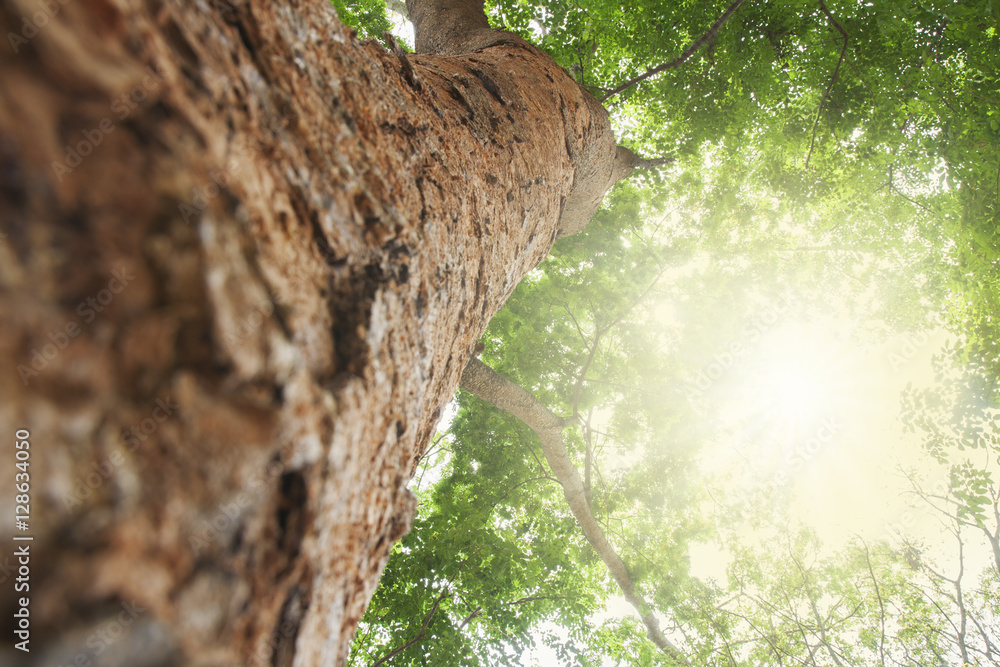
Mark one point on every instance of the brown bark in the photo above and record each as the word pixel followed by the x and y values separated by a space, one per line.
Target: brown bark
pixel 451 26
pixel 485 383
pixel 245 259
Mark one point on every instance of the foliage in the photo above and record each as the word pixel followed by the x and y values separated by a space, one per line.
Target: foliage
pixel 494 539
pixel 369 17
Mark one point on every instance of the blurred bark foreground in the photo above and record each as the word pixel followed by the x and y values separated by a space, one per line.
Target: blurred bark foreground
pixel 244 260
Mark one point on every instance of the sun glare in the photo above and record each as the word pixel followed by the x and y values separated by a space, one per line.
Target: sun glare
pixel 795 378
pixel 793 389
pixel 809 414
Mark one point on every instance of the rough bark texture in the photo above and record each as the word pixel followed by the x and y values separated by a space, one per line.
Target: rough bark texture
pixel 485 383
pixel 245 259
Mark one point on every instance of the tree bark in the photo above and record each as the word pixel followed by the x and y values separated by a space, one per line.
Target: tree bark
pixel 244 261
pixel 485 383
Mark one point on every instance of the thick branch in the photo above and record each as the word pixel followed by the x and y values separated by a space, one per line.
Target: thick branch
pixel 677 62
pixel 627 161
pixel 482 381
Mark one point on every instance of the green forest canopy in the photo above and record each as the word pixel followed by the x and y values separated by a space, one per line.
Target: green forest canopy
pixel 829 226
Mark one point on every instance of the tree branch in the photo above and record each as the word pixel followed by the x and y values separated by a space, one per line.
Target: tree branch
pixel 599 334
pixel 588 438
pixel 677 62
pixel 833 79
pixel 423 629
pixel 881 605
pixel 482 381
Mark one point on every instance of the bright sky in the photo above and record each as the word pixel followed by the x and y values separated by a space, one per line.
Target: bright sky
pixel 817 411
pixel 401 27
pixel 815 408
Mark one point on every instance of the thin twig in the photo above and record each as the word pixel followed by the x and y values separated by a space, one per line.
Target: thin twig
pixel 893 188
pixel 423 629
pixel 984 99
pixel 881 605
pixel 598 334
pixel 997 187
pixel 833 79
pixel 677 62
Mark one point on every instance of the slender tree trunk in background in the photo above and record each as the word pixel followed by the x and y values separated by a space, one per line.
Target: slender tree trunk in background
pixel 488 385
pixel 245 259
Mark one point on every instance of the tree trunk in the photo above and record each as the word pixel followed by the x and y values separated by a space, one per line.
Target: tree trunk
pixel 488 385
pixel 244 261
